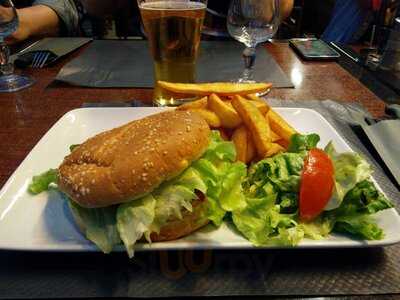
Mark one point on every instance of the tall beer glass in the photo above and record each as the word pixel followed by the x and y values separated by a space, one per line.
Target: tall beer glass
pixel 173 28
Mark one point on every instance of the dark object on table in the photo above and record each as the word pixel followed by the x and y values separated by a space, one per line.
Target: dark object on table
pixel 313 49
pixel 50 48
pixel 128 64
pixel 391 55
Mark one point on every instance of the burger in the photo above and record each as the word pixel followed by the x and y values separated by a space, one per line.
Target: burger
pixel 152 180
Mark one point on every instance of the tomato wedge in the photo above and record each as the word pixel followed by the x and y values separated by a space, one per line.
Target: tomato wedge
pixel 316 184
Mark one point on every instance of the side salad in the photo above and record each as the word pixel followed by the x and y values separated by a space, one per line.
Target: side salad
pixel 305 192
pixel 308 192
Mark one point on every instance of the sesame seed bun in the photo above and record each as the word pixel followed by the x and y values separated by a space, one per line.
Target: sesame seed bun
pixel 127 162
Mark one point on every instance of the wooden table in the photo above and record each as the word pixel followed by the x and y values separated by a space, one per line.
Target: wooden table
pixel 25 116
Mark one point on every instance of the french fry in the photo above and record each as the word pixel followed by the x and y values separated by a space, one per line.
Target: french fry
pixel 228 116
pixel 280 126
pixel 251 150
pixel 274 137
pixel 255 122
pixel 283 143
pixel 273 149
pixel 262 106
pixel 239 138
pixel 211 118
pixel 200 103
pixel 220 88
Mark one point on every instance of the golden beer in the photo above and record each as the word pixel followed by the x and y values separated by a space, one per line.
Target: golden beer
pixel 173 29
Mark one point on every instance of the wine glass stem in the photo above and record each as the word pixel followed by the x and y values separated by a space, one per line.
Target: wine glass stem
pixel 249 56
pixel 6 68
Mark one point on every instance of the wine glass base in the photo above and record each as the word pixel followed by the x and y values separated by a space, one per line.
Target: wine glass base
pixel 262 94
pixel 13 83
pixel 259 94
pixel 241 80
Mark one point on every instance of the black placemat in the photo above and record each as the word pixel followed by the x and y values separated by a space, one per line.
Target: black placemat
pixel 301 272
pixel 128 64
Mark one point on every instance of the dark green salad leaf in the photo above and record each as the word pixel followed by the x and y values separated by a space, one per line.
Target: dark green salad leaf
pixel 73 146
pixel 354 215
pixel 300 142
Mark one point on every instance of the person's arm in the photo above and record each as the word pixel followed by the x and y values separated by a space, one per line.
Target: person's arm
pixel 285 9
pixel 38 20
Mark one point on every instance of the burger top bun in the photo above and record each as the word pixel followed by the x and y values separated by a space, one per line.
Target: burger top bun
pixel 130 161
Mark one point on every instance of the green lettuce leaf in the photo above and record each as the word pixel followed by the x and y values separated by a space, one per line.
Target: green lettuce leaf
pixel 361 225
pixel 134 219
pixel 263 224
pixel 42 182
pixel 282 171
pixel 98 224
pixel 319 228
pixel 73 146
pixel 303 142
pixel 271 193
pixel 223 178
pixel 363 198
pixel 354 214
pixel 173 196
pixel 231 197
pixel 219 150
pixel 350 168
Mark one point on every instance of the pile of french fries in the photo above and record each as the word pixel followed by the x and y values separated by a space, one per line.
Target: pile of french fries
pixel 233 108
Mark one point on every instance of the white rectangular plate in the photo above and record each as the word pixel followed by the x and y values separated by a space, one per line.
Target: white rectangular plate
pixel 43 222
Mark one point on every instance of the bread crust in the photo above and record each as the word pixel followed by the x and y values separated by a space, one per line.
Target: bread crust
pixel 130 161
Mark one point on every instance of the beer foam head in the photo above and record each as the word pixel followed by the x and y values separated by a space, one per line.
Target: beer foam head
pixel 172 5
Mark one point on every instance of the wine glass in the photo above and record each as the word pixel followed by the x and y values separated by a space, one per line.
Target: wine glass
pixel 9 82
pixel 252 22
